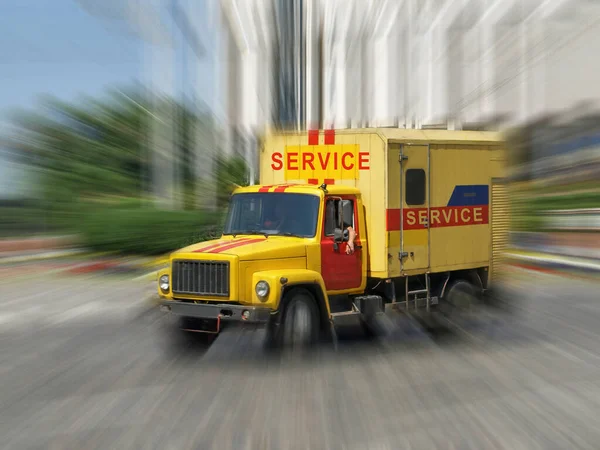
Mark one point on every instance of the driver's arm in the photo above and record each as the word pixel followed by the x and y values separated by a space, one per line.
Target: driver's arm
pixel 351 237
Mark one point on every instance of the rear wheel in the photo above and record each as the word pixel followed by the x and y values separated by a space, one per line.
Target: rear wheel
pixel 460 298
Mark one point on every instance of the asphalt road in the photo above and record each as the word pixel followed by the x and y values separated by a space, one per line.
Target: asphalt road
pixel 83 366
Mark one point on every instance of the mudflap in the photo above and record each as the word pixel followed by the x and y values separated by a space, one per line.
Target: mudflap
pixel 197 325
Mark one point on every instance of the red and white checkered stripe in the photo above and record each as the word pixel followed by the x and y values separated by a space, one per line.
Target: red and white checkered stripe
pixel 328 139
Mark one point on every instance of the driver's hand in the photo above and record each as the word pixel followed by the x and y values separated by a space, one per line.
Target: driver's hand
pixel 349 248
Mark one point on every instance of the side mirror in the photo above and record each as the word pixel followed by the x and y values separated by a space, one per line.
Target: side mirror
pixel 338 235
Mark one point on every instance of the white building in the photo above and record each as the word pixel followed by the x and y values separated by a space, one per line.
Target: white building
pixel 403 63
pixel 406 63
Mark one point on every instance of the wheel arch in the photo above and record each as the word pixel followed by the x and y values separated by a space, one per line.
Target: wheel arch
pixel 470 275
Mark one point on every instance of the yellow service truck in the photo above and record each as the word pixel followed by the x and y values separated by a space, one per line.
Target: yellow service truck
pixel 428 210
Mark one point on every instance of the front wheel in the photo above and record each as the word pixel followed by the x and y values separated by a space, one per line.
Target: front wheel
pixel 299 324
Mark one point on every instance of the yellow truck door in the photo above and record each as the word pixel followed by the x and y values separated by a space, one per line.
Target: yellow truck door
pixel 415 207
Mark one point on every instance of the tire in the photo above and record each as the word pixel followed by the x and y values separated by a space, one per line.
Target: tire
pixel 460 298
pixel 299 327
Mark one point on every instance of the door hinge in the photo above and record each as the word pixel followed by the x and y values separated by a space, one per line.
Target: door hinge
pixel 402 158
pixel 402 255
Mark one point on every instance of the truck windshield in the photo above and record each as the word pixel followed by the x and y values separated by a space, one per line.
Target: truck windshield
pixel 273 213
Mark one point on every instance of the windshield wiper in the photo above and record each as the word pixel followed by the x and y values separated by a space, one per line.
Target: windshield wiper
pixel 287 233
pixel 251 232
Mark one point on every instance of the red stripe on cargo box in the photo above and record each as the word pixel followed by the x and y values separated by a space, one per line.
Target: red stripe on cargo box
pixel 439 216
pixel 219 244
pixel 392 220
pixel 313 181
pixel 329 137
pixel 329 181
pixel 236 244
pixel 313 137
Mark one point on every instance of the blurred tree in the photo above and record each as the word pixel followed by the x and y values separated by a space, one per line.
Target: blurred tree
pixel 230 173
pixel 96 150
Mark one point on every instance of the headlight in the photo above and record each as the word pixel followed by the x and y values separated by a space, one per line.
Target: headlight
pixel 262 289
pixel 163 283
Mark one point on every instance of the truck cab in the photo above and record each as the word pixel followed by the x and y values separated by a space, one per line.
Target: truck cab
pixel 284 249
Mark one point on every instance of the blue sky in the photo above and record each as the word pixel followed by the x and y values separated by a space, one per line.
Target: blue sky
pixel 57 47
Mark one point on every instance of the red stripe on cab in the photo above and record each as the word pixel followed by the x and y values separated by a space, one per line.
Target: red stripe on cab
pixel 217 245
pixel 236 244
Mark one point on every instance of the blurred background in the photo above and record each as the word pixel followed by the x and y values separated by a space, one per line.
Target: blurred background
pixel 122 117
pixel 124 126
pixel 118 118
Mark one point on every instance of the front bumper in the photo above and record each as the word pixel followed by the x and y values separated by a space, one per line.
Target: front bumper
pixel 224 312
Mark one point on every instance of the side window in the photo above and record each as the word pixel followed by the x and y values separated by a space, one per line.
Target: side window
pixel 330 217
pixel 348 208
pixel 415 187
pixel 332 214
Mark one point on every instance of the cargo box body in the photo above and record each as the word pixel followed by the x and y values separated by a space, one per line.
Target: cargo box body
pixel 434 199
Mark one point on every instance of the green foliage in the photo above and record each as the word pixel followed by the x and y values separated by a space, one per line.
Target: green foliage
pixel 570 201
pixel 78 151
pixel 99 147
pixel 529 212
pixel 146 231
pixel 16 221
pixel 571 188
pixel 533 207
pixel 230 173
pixel 91 165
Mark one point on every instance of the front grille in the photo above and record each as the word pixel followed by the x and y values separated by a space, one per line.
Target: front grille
pixel 201 278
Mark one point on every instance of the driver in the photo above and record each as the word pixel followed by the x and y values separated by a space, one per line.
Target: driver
pixel 284 219
pixel 278 218
pixel 346 226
